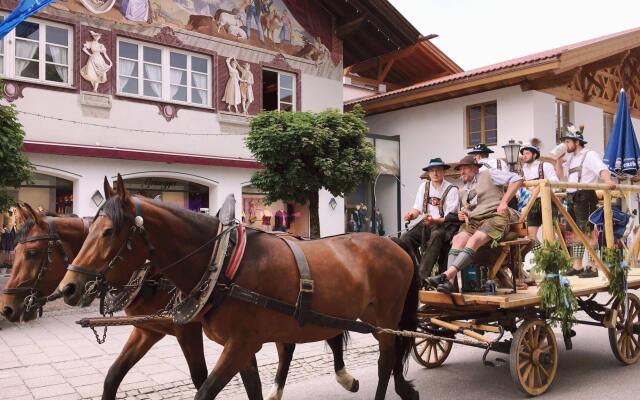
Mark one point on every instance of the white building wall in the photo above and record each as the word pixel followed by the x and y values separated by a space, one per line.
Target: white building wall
pixel 320 93
pixel 544 119
pixel 438 130
pixel 593 120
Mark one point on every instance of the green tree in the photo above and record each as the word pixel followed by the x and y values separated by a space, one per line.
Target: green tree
pixel 303 152
pixel 15 168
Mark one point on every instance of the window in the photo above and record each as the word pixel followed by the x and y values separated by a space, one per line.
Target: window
pixel 162 73
pixel 38 51
pixel 278 91
pixel 607 120
pixel 482 124
pixel 562 118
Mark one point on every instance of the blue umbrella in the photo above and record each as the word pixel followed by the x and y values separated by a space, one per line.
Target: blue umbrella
pixel 23 10
pixel 623 153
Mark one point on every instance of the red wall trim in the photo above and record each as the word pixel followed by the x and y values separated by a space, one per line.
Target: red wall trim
pixel 136 155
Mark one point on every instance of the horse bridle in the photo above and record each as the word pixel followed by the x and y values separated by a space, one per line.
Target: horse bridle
pixel 100 285
pixel 35 299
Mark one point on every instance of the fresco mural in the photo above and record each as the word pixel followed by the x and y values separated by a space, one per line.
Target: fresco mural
pixel 264 23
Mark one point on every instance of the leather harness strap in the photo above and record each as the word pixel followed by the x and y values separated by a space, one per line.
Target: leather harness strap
pixel 303 304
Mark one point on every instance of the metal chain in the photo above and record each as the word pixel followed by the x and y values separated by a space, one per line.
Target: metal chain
pixel 104 335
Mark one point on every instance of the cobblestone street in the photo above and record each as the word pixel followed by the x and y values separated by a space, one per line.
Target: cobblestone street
pixel 55 358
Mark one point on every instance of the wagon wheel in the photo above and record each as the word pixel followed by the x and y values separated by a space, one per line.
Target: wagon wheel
pixel 430 353
pixel 533 358
pixel 624 338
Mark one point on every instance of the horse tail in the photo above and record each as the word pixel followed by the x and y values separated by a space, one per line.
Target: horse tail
pixel 409 318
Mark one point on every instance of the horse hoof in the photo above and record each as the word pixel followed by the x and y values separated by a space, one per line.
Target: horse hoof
pixel 355 386
pixel 412 395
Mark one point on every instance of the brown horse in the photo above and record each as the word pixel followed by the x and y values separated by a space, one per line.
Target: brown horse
pixel 359 276
pixel 31 256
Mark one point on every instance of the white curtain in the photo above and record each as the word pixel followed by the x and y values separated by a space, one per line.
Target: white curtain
pixel 24 49
pixel 126 68
pixel 59 56
pixel 178 76
pixel 154 72
pixel 199 83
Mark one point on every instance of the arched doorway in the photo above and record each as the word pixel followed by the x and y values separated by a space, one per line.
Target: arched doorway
pixel 190 195
pixel 48 193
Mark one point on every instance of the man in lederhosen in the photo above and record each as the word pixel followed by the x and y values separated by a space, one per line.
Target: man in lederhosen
pixel 486 216
pixel 533 169
pixel 481 154
pixel 436 199
pixel 583 166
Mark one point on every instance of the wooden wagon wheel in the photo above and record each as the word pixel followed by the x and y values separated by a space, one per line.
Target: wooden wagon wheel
pixel 533 357
pixel 624 339
pixel 430 353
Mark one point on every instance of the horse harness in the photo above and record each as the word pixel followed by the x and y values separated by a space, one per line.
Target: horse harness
pixel 35 297
pixel 217 283
pixel 435 201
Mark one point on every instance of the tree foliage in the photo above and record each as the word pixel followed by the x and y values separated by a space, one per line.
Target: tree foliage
pixel 15 168
pixel 303 152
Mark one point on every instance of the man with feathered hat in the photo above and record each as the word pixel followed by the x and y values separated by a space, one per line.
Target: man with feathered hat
pixel 582 166
pixel 481 152
pixel 436 199
pixel 534 169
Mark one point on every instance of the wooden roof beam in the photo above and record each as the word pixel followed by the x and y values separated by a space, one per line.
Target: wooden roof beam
pixel 348 28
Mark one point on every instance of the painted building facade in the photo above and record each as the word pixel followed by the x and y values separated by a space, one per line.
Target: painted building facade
pixel 162 92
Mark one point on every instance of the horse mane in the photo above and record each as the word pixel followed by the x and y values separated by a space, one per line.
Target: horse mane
pixel 114 209
pixel 24 229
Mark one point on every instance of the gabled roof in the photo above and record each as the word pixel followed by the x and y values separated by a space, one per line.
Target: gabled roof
pixel 508 73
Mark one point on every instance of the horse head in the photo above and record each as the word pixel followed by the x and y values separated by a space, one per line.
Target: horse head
pixel 41 257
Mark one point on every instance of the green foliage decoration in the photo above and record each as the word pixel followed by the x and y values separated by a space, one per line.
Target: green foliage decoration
pixel 618 281
pixel 15 168
pixel 304 152
pixel 556 296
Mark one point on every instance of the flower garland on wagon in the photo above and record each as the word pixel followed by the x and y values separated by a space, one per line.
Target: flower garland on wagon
pixel 557 299
pixel 619 271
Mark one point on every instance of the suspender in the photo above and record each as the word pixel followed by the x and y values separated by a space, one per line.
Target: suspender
pixel 427 199
pixel 577 169
pixel 499 163
pixel 540 171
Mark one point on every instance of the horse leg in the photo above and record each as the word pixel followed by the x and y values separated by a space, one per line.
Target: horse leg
pixel 236 356
pixel 190 340
pixel 404 388
pixel 386 362
pixel 251 379
pixel 345 379
pixel 138 344
pixel 285 354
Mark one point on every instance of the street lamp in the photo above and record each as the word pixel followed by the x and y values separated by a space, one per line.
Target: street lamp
pixel 512 152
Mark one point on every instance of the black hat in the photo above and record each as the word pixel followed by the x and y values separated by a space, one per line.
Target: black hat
pixel 466 160
pixel 480 149
pixel 436 162
pixel 531 148
pixel 574 133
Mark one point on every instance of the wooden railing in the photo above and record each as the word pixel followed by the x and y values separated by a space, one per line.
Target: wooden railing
pixel 551 231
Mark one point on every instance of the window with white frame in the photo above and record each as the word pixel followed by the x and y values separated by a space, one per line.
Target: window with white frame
pixel 161 73
pixel 40 51
pixel 278 91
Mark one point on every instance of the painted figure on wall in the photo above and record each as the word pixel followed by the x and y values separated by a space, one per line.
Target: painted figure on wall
pixel 277 25
pixel 246 87
pixel 232 94
pixel 98 64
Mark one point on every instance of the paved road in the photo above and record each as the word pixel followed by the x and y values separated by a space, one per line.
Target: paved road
pixel 54 358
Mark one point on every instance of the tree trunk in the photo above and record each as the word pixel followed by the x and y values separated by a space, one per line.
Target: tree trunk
pixel 314 216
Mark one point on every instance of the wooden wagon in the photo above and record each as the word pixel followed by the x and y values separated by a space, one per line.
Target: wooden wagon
pixel 513 322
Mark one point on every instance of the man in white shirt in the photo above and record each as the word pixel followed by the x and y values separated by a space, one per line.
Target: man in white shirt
pixel 436 199
pixel 584 166
pixel 481 154
pixel 533 169
pixel 486 214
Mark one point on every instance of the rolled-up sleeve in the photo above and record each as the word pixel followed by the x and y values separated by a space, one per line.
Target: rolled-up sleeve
pixel 420 196
pixel 501 177
pixel 550 172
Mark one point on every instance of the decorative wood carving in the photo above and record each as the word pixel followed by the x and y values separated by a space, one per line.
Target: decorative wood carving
pixel 279 61
pixel 168 36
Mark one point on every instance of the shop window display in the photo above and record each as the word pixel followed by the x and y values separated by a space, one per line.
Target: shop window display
pixel 47 193
pixel 278 216
pixel 185 194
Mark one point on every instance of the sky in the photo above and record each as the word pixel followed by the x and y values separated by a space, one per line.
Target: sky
pixel 475 33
